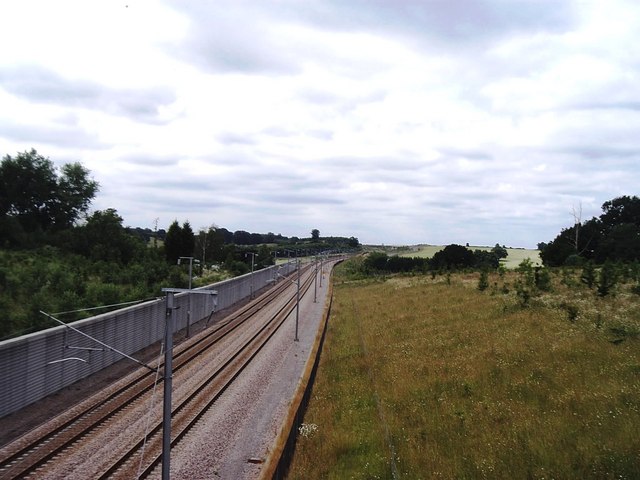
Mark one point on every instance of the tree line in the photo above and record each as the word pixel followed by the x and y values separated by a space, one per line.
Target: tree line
pixel 57 256
pixel 452 257
pixel 218 245
pixel 614 236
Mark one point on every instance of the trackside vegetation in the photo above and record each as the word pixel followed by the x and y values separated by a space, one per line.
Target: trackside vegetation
pixel 59 257
pixel 511 374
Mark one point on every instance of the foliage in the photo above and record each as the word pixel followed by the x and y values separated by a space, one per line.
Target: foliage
pixel 487 260
pixel 453 257
pixel 607 279
pixel 500 252
pixel 53 279
pixel 588 276
pixel 264 257
pixel 542 279
pixel 376 262
pixel 614 236
pixel 483 281
pixel 36 199
pixel 523 292
pixel 188 241
pixel 103 238
pixel 179 242
pixel 61 264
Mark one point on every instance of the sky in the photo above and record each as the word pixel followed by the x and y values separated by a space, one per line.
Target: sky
pixel 395 121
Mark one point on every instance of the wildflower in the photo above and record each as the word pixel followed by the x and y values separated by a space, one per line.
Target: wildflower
pixel 307 429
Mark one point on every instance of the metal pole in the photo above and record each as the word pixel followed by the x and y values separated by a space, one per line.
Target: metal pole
pixel 189 309
pixel 168 357
pixel 321 260
pixel 252 261
pixel 298 301
pixel 275 265
pixel 315 284
pixel 253 256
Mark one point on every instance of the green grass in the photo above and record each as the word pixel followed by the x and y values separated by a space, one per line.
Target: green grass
pixel 443 381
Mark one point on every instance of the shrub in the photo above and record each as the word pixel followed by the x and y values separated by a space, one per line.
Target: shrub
pixel 607 279
pixel 526 271
pixel 523 292
pixel 588 276
pixel 572 311
pixel 483 282
pixel 542 279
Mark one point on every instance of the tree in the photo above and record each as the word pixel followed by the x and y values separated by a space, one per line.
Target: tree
pixel 484 259
pixel 376 261
pixel 173 242
pixel 499 251
pixel 75 192
pixel 453 257
pixel 607 279
pixel 107 239
pixel 620 210
pixel 612 236
pixel 588 275
pixel 188 240
pixel 37 198
pixel 264 257
pixel 179 242
pixel 622 243
pixel 483 281
pixel 315 234
pixel 241 237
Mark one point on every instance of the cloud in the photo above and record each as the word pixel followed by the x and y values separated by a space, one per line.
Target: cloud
pixel 445 24
pixel 38 84
pixel 401 121
pixel 232 37
pixel 59 135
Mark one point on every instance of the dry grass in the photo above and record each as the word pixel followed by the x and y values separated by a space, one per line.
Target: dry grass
pixel 433 380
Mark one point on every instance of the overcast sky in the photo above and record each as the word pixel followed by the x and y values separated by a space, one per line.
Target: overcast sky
pixel 395 121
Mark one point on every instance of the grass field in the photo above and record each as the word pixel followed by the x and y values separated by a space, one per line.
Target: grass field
pixel 423 378
pixel 514 258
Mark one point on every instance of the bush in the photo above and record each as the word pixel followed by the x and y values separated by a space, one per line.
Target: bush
pixel 607 279
pixel 572 311
pixel 526 271
pixel 483 282
pixel 542 279
pixel 588 276
pixel 523 292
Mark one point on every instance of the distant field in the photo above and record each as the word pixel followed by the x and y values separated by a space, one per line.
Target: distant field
pixel 516 255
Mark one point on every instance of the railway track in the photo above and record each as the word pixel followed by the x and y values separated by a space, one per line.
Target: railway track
pixel 36 452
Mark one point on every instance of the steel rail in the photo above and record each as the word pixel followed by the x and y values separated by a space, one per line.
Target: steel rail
pixel 207 389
